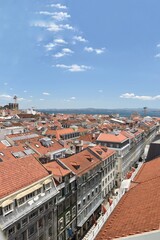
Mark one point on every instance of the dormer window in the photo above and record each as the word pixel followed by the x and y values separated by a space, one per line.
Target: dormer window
pixel 1 153
pixel 48 184
pixel 7 207
pixel 37 145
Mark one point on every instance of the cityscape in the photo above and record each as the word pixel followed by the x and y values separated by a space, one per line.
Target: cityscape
pixel 79 120
pixel 62 175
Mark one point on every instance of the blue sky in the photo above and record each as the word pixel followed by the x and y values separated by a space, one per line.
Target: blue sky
pixel 79 53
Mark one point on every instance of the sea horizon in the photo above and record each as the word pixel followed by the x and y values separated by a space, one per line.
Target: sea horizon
pixel 123 112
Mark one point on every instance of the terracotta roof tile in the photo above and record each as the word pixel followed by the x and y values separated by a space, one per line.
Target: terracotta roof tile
pixel 107 137
pixel 56 169
pixel 19 173
pixel 82 162
pixel 139 209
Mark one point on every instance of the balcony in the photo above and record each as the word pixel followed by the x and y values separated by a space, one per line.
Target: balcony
pixel 80 224
pixel 24 210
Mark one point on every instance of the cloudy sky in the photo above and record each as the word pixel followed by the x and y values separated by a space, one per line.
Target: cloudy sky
pixel 79 53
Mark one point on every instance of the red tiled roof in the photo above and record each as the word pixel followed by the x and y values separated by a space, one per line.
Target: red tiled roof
pixel 139 209
pixel 82 162
pixel 19 173
pixel 36 145
pixel 56 169
pixel 102 152
pixel 107 137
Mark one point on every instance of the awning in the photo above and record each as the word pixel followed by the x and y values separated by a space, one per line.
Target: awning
pixel 6 203
pixel 47 181
pixel 30 190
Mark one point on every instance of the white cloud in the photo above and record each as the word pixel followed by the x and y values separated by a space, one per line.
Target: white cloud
pixel 65 52
pixel 96 50
pixel 5 83
pixel 60 16
pixel 50 26
pixel 157 55
pixel 79 39
pixel 72 98
pixel 50 46
pixel 46 13
pixel 59 55
pixel 5 96
pixel 41 99
pixel 60 41
pixel 74 67
pixel 21 99
pixel 67 27
pixel 46 93
pixel 133 96
pixel 100 51
pixel 59 6
pixel 158 45
pixel 25 91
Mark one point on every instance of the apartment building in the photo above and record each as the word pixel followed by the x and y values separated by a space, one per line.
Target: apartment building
pixel 67 202
pixel 87 168
pixel 119 143
pixel 28 198
pixel 108 158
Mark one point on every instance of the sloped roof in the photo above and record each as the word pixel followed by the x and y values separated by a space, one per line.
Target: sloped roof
pixel 107 137
pixel 19 173
pixel 139 209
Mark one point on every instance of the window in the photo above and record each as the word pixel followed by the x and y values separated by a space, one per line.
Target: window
pixel 30 195
pixel 50 203
pixel 79 205
pixel 84 201
pixel 41 209
pixel 66 189
pixel 84 189
pixel 32 230
pixel 11 230
pixel 61 223
pixel 50 231
pixel 34 214
pixel 24 235
pixel 21 201
pixel 40 223
pixel 74 211
pixel 24 221
pixel 50 216
pixel 7 209
pixel 88 198
pixel 18 226
pixel 47 186
pixel 67 217
pixel 39 191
